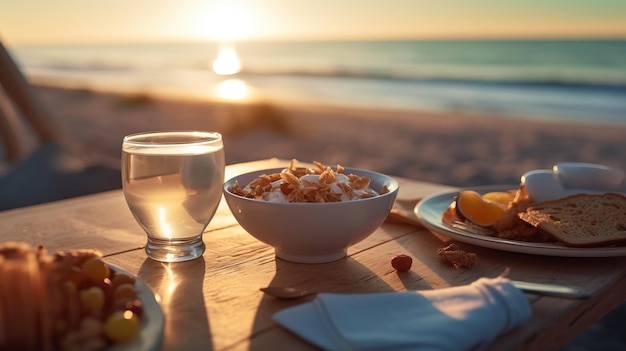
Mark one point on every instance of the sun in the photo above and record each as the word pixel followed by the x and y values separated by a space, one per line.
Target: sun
pixel 224 22
pixel 230 23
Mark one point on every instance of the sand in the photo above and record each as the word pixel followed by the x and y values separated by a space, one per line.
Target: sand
pixel 452 148
pixel 455 149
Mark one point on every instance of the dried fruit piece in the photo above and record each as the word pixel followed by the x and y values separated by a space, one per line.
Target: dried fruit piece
pixel 401 263
pixel 471 206
pixel 457 257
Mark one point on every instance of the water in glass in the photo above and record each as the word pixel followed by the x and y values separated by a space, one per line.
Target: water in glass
pixel 172 184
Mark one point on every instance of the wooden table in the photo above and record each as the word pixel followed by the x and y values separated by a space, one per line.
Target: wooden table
pixel 214 303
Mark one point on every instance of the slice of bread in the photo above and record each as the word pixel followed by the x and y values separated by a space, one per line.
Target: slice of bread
pixel 581 220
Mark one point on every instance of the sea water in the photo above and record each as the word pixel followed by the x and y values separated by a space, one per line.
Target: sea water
pixel 564 80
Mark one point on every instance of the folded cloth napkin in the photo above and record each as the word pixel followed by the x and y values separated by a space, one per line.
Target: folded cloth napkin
pixel 459 318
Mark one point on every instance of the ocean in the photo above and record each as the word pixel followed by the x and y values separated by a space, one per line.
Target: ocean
pixel 570 81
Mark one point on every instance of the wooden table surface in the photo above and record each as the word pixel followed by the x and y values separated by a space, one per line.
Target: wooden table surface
pixel 214 303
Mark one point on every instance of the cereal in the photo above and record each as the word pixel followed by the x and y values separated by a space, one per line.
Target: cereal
pixel 300 184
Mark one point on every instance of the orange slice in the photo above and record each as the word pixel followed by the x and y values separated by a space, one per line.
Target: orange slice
pixel 499 197
pixel 471 206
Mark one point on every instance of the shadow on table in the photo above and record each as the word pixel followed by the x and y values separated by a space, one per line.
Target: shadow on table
pixel 336 277
pixel 184 295
pixel 605 335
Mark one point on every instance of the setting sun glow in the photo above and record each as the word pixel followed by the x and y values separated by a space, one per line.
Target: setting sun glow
pixel 67 21
pixel 229 22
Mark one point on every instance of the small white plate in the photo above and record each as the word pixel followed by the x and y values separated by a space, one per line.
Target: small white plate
pixel 431 209
pixel 150 336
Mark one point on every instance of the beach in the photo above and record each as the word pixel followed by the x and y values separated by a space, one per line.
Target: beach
pixel 452 148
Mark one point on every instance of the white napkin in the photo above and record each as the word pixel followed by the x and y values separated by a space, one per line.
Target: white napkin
pixel 460 318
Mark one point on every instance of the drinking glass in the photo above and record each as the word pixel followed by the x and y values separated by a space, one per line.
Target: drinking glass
pixel 172 183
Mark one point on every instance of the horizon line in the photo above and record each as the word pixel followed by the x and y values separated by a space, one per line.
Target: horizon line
pixel 182 40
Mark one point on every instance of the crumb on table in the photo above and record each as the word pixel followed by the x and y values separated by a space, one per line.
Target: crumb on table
pixel 457 257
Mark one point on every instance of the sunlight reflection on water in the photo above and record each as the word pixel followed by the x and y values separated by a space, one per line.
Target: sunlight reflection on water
pixel 232 89
pixel 227 62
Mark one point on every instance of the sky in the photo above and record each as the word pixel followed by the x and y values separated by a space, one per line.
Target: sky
pixel 117 21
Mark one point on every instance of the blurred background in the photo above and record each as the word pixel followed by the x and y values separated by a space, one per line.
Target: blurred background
pixel 558 60
pixel 456 92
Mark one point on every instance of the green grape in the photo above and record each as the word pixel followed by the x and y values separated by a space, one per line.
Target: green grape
pixel 125 291
pixel 92 299
pixel 121 278
pixel 95 269
pixel 121 326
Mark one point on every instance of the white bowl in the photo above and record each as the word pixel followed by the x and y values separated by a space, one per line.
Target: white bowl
pixel 543 185
pixel 589 176
pixel 312 232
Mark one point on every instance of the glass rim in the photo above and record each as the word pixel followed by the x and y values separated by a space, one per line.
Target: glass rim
pixel 144 138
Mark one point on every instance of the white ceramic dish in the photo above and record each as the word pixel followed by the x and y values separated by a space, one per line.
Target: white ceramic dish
pixel 431 209
pixel 569 178
pixel 312 232
pixel 150 336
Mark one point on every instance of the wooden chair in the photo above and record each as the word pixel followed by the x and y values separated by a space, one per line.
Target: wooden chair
pixel 34 149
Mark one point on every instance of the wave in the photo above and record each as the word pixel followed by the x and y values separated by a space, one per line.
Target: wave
pixel 612 83
pixel 582 81
pixel 594 64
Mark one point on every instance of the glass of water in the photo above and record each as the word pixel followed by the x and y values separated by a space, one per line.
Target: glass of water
pixel 172 183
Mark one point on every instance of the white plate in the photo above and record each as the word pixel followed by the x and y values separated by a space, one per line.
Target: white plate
pixel 150 336
pixel 431 209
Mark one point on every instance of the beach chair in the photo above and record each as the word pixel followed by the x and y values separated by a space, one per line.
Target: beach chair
pixel 38 161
